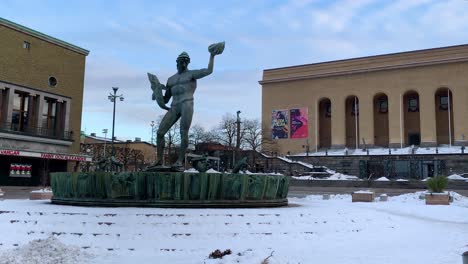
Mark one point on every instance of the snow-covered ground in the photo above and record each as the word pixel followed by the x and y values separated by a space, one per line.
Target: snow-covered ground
pixel 336 176
pixel 310 230
pixel 444 149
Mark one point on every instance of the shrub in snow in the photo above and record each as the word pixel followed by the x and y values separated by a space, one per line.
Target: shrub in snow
pixel 437 184
pixel 218 254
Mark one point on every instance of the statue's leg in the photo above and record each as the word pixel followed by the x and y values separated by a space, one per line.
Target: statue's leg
pixel 185 122
pixel 167 122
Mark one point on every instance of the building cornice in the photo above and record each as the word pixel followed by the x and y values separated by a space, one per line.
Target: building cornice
pixel 5 84
pixel 36 139
pixel 42 36
pixel 393 61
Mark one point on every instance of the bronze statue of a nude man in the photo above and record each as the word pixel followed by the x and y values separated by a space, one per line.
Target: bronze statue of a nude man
pixel 181 87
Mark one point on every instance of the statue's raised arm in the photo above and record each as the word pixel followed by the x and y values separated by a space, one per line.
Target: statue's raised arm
pixel 214 49
pixel 157 88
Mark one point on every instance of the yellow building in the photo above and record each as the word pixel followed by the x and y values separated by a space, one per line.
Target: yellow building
pixel 134 155
pixel 41 97
pixel 394 100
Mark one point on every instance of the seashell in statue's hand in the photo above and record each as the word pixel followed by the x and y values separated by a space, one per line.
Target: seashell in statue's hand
pixel 217 48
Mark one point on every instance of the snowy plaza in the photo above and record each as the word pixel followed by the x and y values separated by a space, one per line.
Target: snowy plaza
pixel 309 230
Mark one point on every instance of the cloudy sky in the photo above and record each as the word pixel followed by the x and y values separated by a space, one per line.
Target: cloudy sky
pixel 126 39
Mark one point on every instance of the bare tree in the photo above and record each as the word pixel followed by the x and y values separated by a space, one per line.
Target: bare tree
pixel 197 134
pixel 252 134
pixel 227 130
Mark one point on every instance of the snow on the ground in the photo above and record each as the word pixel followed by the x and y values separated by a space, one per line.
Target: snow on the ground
pixel 456 177
pixel 310 230
pixel 443 149
pixel 382 179
pixel 191 170
pixel 43 190
pixel 49 250
pixel 364 191
pixel 212 171
pixel 333 177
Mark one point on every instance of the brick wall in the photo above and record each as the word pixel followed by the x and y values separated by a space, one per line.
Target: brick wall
pixel 32 68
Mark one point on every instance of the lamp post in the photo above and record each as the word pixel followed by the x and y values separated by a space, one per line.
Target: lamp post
pixel 238 122
pixel 113 98
pixel 104 131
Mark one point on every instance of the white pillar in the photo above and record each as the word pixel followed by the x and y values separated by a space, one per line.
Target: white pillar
pixel 67 115
pixel 40 107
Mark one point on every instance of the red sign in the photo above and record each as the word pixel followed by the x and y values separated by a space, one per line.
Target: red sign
pixel 21 153
pixel 9 152
pixel 62 157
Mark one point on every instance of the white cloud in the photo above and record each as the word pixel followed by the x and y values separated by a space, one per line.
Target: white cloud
pixel 128 39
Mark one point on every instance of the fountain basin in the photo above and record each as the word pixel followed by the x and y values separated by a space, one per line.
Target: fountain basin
pixel 169 189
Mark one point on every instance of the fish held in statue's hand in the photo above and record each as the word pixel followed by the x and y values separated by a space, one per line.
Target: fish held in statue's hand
pixel 157 88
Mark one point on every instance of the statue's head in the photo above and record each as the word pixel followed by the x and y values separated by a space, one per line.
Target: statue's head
pixel 182 62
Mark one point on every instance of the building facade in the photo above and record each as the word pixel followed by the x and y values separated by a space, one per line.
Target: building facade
pixel 41 97
pixel 391 101
pixel 135 155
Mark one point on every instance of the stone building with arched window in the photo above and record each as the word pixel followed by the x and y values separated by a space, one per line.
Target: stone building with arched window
pixel 416 100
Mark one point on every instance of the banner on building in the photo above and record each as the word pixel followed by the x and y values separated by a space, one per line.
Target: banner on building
pixel 20 170
pixel 279 124
pixel 298 124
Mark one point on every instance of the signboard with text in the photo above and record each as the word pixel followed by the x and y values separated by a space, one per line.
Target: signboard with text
pixel 55 156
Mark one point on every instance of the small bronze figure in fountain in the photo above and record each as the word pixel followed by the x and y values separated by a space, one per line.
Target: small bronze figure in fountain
pixel 181 87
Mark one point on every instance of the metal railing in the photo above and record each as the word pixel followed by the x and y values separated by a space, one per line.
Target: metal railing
pixel 14 128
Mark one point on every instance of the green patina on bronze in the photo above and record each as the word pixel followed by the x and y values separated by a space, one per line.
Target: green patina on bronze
pixel 169 189
pixel 181 88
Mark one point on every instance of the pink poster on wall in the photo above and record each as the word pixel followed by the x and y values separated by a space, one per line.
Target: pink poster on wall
pixel 298 123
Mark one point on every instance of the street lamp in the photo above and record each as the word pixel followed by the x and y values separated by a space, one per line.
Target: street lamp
pixel 104 131
pixel 113 98
pixel 238 122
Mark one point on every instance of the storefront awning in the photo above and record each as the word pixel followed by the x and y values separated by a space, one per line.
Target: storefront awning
pixel 43 155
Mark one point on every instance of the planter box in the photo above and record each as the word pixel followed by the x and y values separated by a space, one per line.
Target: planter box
pixel 363 197
pixel 40 195
pixel 437 198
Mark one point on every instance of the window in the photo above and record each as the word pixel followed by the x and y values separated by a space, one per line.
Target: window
pixel 328 110
pixel 413 104
pixel 53 117
pixel 52 81
pixel 26 45
pixel 443 102
pixel 383 106
pixel 3 103
pixel 48 114
pixel 19 118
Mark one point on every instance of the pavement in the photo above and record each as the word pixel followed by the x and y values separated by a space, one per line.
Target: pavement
pixel 22 192
pixel 17 192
